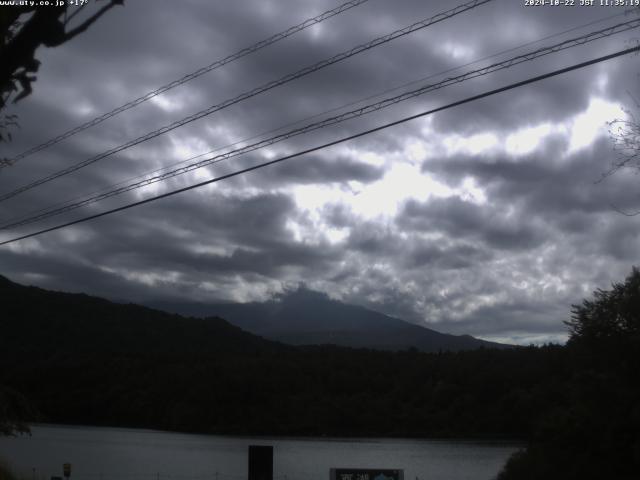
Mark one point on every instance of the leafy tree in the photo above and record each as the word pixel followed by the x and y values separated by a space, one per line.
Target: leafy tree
pixel 612 314
pixel 625 137
pixel 5 471
pixel 23 29
pixel 15 411
pixel 594 430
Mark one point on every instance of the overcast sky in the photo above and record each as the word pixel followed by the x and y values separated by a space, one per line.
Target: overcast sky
pixel 484 219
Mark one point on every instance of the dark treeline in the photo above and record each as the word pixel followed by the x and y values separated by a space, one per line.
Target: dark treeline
pixel 85 360
pixel 592 431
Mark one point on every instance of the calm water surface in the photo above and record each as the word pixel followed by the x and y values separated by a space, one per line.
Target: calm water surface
pixel 125 454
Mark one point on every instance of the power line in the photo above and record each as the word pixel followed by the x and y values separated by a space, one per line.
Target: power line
pixel 9 222
pixel 190 76
pixel 49 211
pixel 88 196
pixel 530 56
pixel 332 143
pixel 256 91
pixel 337 119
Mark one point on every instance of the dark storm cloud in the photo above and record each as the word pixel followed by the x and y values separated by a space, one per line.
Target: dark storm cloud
pixel 545 236
pixel 373 240
pixel 457 218
pixel 319 169
pixel 456 256
pixel 337 215
pixel 544 184
pixel 251 231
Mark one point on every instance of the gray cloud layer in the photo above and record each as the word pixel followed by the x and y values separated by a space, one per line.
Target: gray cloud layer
pixel 438 221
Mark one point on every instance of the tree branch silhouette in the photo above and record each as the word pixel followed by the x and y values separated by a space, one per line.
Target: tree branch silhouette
pixel 22 30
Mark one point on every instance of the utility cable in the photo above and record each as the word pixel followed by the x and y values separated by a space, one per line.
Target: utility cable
pixel 330 144
pixel 191 76
pixel 308 118
pixel 256 91
pixel 530 56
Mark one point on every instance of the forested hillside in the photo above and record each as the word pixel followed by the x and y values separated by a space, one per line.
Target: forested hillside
pixel 306 317
pixel 84 360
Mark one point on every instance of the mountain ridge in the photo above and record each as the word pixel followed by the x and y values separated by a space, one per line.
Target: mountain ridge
pixel 85 360
pixel 80 322
pixel 307 317
pixel 296 317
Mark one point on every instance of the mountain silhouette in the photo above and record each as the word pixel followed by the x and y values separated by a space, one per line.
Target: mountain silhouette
pixel 307 317
pixel 45 320
pixel 84 360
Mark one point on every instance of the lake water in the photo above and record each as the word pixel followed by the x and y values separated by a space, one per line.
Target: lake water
pixel 126 454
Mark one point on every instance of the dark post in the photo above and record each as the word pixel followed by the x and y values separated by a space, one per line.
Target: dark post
pixel 260 462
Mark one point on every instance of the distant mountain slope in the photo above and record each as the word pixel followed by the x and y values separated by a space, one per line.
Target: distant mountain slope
pixel 84 360
pixel 38 319
pixel 305 317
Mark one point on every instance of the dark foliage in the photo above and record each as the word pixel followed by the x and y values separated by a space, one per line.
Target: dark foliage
pixel 23 29
pixel 85 360
pixel 613 316
pixel 5 472
pixel 15 412
pixel 596 434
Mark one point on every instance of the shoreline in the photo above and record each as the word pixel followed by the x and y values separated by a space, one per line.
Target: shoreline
pixel 489 439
